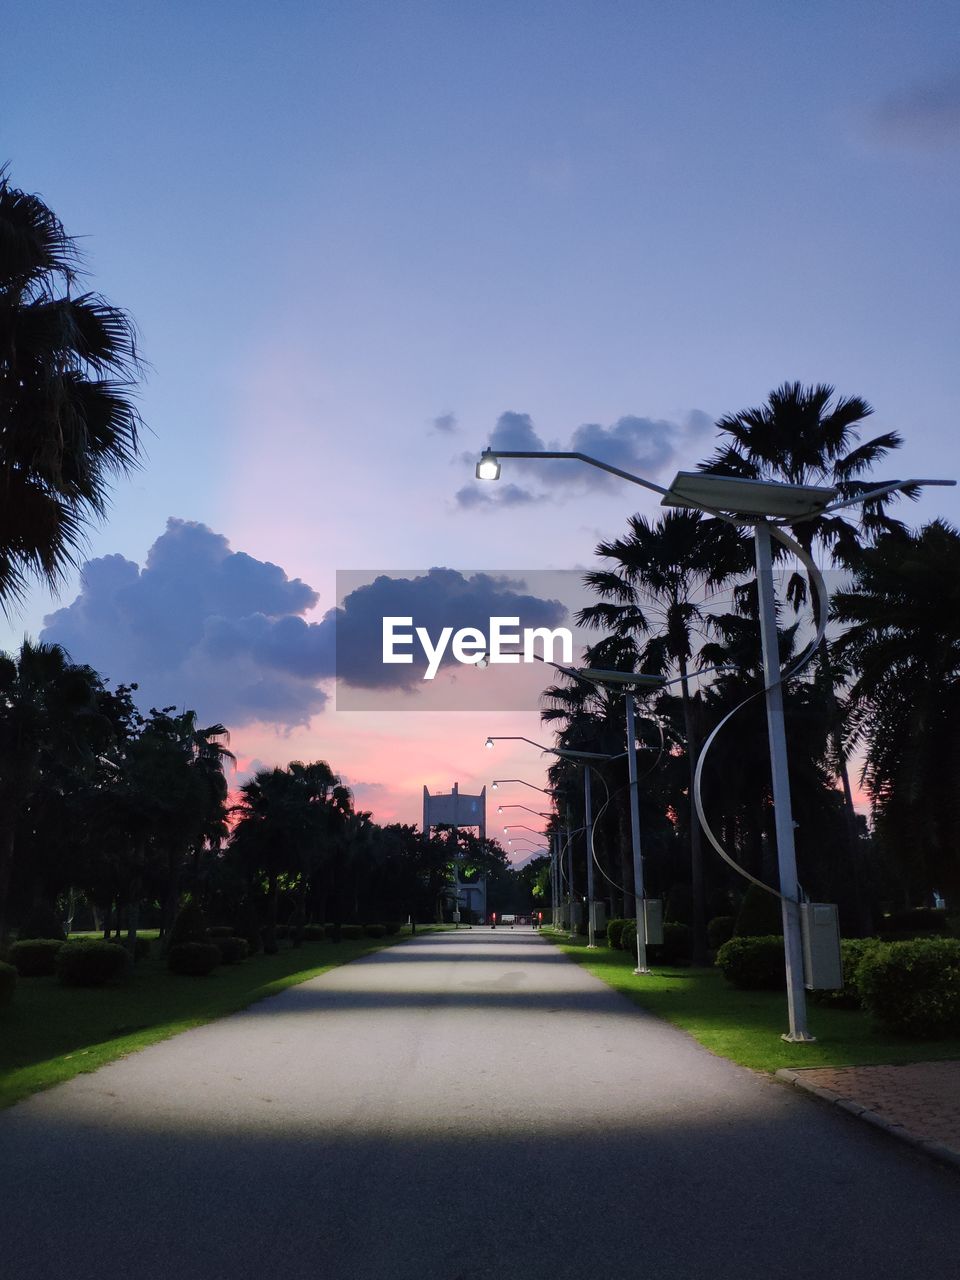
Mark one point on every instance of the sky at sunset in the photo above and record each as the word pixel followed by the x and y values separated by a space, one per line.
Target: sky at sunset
pixel 361 239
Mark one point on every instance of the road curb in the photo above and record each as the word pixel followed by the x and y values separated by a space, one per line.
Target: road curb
pixel 936 1150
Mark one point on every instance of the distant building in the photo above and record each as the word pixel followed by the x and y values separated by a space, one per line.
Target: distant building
pixel 454 810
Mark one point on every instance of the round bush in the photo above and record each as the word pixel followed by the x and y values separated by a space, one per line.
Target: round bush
pixel 314 933
pixel 194 958
pixel 8 983
pixel 614 933
pixel 232 950
pixel 221 931
pixel 90 963
pixel 719 931
pixel 374 931
pixel 35 957
pixel 913 987
pixel 753 964
pixel 351 932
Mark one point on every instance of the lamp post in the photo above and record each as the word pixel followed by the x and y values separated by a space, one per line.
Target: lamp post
pixel 765 505
pixel 498 782
pixel 537 812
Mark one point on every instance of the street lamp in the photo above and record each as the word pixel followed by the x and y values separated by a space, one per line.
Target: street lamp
pixel 554 751
pixel 766 505
pixel 539 812
pixel 498 783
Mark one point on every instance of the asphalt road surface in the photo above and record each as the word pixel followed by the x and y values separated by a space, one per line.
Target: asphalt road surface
pixel 459 1106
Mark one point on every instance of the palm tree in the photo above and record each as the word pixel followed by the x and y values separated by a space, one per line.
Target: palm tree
pixel 804 435
pixel 68 365
pixel 902 612
pixel 655 599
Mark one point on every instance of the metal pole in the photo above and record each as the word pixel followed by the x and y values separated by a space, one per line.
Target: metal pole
pixel 635 836
pixel 588 825
pixel 554 883
pixel 786 855
pixel 570 894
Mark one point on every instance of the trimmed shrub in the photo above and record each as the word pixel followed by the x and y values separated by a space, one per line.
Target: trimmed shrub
pixel 675 948
pixel 917 922
pixel 913 987
pixel 232 950
pixel 189 926
pixel 8 983
pixel 760 915
pixel 42 922
pixel 143 944
pixel 194 958
pixel 34 957
pixel 852 952
pixel 614 933
pixel 753 964
pixel 314 933
pixel 394 926
pixel 628 937
pixel 222 931
pixel 90 963
pixel 351 932
pixel 719 931
pixel 374 931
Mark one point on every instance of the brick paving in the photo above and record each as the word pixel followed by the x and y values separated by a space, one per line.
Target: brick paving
pixel 922 1097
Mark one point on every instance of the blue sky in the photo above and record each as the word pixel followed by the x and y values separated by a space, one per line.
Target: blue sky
pixel 353 235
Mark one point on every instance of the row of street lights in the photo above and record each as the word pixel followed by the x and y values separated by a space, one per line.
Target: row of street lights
pixel 766 506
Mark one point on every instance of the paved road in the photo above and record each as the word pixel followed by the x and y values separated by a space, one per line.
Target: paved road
pixel 460 1106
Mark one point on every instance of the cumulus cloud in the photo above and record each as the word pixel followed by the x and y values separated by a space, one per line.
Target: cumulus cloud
pixel 218 631
pixel 201 626
pixel 434 600
pixel 644 446
pixel 445 424
pixel 925 117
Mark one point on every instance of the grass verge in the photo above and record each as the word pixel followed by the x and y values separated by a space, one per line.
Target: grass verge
pixel 51 1033
pixel 745 1026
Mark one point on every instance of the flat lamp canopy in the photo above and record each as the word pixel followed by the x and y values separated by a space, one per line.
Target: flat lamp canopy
pixel 746 497
pixel 631 678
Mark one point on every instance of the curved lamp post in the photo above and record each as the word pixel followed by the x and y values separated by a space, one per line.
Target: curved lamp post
pixel 765 505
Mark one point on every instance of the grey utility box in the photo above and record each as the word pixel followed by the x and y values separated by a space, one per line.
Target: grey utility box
pixel 653 922
pixel 820 934
pixel 599 917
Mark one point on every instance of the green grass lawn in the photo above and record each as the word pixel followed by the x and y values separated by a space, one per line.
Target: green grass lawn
pixel 51 1033
pixel 745 1026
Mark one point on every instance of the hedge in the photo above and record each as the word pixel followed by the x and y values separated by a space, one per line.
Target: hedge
pixel 8 983
pixel 351 932
pixel 753 964
pixel 913 987
pixel 314 933
pixel 89 962
pixel 194 958
pixel 375 930
pixel 35 957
